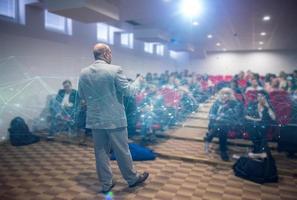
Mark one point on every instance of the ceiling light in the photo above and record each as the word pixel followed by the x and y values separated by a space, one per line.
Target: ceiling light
pixel 260 48
pixel 209 36
pixel 191 8
pixel 218 44
pixel 261 43
pixel 263 33
pixel 266 18
pixel 195 23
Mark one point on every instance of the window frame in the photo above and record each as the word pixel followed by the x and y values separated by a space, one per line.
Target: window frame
pixel 148 47
pixel 130 40
pixel 161 51
pixel 68 25
pixel 15 17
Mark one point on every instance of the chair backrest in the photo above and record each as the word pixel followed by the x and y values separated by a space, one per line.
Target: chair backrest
pixel 171 97
pixel 282 106
pixel 228 78
pixel 242 83
pixel 204 85
pixel 139 97
pixel 250 96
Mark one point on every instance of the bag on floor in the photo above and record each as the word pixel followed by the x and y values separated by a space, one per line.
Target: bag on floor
pixel 287 140
pixel 259 171
pixel 20 134
pixel 139 153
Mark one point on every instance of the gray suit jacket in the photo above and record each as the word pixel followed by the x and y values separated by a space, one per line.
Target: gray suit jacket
pixel 102 86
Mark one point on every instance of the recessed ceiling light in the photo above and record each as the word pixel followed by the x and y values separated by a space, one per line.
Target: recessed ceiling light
pixel 263 33
pixel 191 8
pixel 195 23
pixel 218 44
pixel 261 43
pixel 209 36
pixel 260 48
pixel 266 18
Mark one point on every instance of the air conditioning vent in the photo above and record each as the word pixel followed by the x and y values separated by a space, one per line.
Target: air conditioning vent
pixel 132 22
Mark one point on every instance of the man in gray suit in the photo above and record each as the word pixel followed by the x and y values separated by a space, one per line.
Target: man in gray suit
pixel 102 87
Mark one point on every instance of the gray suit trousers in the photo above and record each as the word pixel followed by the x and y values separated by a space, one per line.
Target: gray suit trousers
pixel 117 140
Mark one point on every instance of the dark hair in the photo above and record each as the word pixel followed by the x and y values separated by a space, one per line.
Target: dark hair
pixel 67 81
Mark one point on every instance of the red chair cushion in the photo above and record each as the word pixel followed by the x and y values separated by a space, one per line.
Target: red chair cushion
pixel 282 106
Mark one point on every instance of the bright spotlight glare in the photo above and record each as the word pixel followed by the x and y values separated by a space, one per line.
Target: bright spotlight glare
pixel 191 8
pixel 195 23
pixel 266 18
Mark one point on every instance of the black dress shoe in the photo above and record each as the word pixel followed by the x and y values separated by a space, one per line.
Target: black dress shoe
pixel 224 156
pixel 105 191
pixel 141 179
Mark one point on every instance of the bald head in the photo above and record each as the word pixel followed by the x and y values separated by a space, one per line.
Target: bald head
pixel 102 52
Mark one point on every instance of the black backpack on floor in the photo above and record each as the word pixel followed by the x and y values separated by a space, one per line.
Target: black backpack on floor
pixel 20 134
pixel 287 140
pixel 259 171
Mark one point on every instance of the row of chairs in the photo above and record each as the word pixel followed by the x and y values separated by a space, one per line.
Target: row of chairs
pixel 172 108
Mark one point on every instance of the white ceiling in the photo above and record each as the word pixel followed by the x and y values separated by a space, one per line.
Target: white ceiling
pixel 236 24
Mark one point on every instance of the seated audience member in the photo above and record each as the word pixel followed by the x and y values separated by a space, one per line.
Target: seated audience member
pixel 248 77
pixel 283 80
pixel 294 75
pixel 149 77
pixel 241 80
pixel 291 87
pixel 235 87
pixel 258 118
pixel 150 112
pixel 188 104
pixel 275 85
pixel 294 107
pixel 267 81
pixel 64 108
pixel 255 84
pixel 223 115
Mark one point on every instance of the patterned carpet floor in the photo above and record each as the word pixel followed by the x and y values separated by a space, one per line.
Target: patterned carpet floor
pixel 64 169
pixel 53 170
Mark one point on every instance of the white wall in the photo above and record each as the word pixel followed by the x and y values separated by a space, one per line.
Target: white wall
pixel 35 61
pixel 232 62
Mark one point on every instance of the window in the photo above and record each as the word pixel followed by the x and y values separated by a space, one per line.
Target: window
pixel 8 8
pixel 111 31
pixel 127 39
pixel 106 33
pixel 149 47
pixel 58 23
pixel 160 49
pixel 14 10
pixel 102 32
